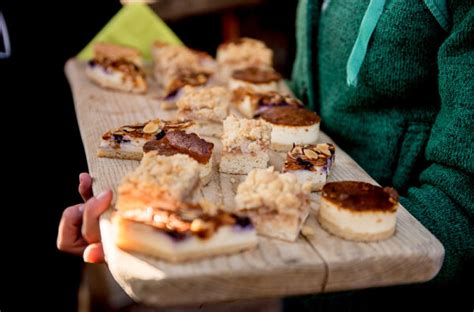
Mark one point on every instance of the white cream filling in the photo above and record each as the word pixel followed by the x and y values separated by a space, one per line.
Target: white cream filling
pixel 134 146
pixel 366 222
pixel 287 135
pixel 316 178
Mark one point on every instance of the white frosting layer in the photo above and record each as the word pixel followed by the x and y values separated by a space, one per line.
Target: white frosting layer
pixel 365 222
pixel 316 178
pixel 288 135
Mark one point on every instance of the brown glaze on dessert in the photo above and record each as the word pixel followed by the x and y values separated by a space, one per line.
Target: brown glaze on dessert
pixel 360 196
pixel 309 157
pixel 184 222
pixel 180 142
pixel 186 78
pixel 256 75
pixel 290 116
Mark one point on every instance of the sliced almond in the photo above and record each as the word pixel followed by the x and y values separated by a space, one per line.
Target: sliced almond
pixel 151 127
pixel 128 129
pixel 297 150
pixel 324 148
pixel 311 154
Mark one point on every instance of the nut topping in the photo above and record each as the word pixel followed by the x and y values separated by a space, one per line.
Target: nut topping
pixel 153 126
pixel 310 154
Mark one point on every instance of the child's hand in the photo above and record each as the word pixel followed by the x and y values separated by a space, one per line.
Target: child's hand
pixel 79 226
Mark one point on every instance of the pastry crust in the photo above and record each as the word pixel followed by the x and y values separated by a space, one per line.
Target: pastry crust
pixel 159 181
pixel 208 104
pixel 274 201
pixel 245 145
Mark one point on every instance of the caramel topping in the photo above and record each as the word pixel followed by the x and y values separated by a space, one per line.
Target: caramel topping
pixel 186 221
pixel 256 75
pixel 361 196
pixel 180 142
pixel 127 67
pixel 186 78
pixel 290 116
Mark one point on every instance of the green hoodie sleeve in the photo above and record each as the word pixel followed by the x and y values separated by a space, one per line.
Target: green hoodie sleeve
pixel 444 201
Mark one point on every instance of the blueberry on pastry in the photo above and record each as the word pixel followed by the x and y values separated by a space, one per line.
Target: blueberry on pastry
pixel 245 145
pixel 310 163
pixel 117 67
pixel 185 234
pixel 291 125
pixel 358 211
pixel 277 203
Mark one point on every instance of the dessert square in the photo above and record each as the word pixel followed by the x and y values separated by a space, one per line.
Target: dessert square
pixel 163 182
pixel 277 203
pixel 311 163
pixel 245 145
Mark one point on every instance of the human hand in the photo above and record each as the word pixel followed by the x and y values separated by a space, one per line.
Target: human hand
pixel 79 232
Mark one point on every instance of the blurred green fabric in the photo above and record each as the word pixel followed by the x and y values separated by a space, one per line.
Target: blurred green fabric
pixel 135 25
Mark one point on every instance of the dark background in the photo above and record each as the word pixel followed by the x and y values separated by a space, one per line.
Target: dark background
pixel 42 149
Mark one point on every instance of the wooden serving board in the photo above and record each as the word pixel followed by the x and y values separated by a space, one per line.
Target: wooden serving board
pixel 317 263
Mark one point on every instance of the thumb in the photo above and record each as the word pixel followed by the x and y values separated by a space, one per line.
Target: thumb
pixel 94 253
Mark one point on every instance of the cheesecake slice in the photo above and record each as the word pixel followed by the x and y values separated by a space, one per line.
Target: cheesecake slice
pixel 127 142
pixel 260 79
pixel 245 145
pixel 277 203
pixel 163 182
pixel 358 211
pixel 207 107
pixel 311 163
pixel 186 234
pixel 251 103
pixel 117 67
pixel 180 142
pixel 291 125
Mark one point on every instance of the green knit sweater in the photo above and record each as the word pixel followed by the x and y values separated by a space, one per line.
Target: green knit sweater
pixel 409 122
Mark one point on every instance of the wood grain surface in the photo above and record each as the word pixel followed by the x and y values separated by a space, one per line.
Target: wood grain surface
pixel 316 263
